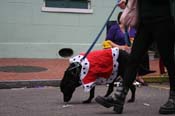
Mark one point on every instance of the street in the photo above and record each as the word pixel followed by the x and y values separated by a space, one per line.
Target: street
pixel 48 101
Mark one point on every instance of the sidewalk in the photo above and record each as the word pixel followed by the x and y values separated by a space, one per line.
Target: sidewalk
pixel 19 72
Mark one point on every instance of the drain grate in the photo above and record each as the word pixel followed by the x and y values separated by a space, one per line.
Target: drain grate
pixel 22 69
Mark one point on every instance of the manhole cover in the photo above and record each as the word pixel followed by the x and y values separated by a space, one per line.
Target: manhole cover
pixel 22 69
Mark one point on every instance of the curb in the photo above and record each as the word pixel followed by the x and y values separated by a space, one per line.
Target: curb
pixel 28 83
pixel 56 83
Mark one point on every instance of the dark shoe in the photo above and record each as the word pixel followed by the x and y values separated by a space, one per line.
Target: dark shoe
pixel 110 102
pixel 169 106
pixel 116 101
pixel 106 101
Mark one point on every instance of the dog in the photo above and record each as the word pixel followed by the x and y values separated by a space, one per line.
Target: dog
pixel 76 71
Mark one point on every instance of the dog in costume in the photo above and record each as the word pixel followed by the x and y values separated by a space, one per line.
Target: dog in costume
pixel 99 67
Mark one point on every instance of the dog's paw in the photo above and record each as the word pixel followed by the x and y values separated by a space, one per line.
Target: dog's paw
pixel 131 100
pixel 86 101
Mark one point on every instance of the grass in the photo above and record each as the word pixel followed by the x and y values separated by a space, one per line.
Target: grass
pixel 156 79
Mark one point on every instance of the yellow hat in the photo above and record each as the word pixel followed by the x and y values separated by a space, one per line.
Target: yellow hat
pixel 106 44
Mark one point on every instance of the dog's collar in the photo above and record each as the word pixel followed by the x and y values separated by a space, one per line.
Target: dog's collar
pixel 85 65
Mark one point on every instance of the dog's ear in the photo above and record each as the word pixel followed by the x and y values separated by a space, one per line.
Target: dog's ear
pixel 71 75
pixel 75 70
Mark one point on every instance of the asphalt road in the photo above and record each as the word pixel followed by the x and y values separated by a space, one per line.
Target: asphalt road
pixel 48 101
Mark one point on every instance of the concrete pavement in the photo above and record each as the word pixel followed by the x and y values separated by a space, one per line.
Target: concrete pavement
pixel 48 101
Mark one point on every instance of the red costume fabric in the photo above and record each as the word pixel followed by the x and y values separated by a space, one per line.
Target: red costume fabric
pixel 99 67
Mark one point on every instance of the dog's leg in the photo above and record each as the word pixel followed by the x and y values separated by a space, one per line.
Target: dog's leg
pixel 92 92
pixel 133 90
pixel 110 89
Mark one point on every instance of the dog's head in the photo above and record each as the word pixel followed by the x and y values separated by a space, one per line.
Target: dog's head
pixel 71 80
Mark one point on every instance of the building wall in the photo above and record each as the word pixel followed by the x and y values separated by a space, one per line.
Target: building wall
pixel 28 32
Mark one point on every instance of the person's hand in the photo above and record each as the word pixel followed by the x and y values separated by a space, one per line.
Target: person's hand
pixel 122 4
pixel 132 40
pixel 125 48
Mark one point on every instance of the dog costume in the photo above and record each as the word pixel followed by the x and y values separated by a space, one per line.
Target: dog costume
pixel 99 67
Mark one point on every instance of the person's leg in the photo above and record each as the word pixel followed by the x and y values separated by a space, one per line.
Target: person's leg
pixel 165 40
pixel 140 46
pixel 161 66
pixel 145 61
pixel 144 69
